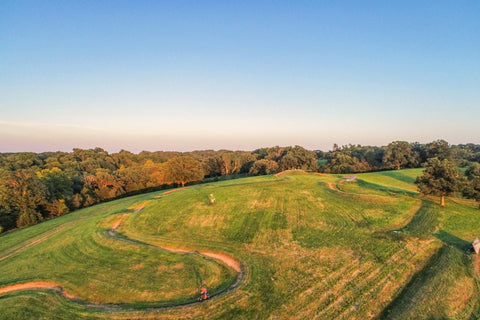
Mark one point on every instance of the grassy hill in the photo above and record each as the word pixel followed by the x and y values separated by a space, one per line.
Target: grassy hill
pixel 310 246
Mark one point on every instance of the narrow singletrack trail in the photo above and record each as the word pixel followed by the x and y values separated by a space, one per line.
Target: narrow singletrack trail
pixel 36 285
pixel 229 261
pixel 49 285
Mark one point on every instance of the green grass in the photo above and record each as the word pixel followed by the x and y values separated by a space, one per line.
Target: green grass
pixel 441 290
pixel 395 179
pixel 307 251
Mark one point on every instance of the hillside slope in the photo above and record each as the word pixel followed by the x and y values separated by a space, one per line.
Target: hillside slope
pixel 291 246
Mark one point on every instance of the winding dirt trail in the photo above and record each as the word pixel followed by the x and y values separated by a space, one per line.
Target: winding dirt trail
pixel 48 285
pixel 115 226
pixel 229 261
pixel 170 191
pixel 36 285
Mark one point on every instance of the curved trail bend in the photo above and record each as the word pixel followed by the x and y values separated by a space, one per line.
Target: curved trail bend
pixel 229 261
pixel 48 285
pixel 36 285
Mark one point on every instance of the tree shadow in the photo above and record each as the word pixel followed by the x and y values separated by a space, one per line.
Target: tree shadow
pixel 424 222
pixel 406 297
pixel 454 241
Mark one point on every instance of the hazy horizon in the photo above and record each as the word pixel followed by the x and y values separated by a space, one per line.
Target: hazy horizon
pixel 183 76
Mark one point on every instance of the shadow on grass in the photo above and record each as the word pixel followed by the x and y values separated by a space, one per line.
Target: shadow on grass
pixel 398 175
pixel 424 222
pixel 454 241
pixel 405 299
pixel 420 298
pixel 384 188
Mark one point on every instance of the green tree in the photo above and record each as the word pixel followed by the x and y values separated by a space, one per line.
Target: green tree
pixel 263 166
pixel 211 167
pixel 22 193
pixel 298 158
pixel 231 162
pixel 228 162
pixel 420 154
pixel 341 160
pixel 440 178
pixel 183 169
pixel 23 160
pixel 374 157
pixel 58 183
pixel 472 186
pixel 398 155
pixel 439 149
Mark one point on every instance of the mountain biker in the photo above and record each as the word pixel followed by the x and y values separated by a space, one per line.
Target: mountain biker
pixel 204 293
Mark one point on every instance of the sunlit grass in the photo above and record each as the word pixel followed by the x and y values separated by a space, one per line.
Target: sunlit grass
pixel 307 251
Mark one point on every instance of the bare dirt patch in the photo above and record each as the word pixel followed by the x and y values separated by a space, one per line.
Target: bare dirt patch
pixel 35 285
pixel 115 226
pixel 229 261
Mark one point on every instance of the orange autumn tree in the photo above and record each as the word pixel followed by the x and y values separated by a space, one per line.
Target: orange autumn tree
pixel 183 169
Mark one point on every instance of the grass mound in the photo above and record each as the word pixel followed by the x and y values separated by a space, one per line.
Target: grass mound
pixel 309 246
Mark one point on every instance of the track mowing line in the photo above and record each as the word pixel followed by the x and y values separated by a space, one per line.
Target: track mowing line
pixel 350 280
pixel 381 284
pixel 44 237
pixel 318 287
pixel 371 278
pixel 48 285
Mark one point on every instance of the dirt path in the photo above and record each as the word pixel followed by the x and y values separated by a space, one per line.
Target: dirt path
pixel 36 285
pixel 115 226
pixel 173 190
pixel 170 191
pixel 332 186
pixel 48 285
pixel 229 261
pixel 235 264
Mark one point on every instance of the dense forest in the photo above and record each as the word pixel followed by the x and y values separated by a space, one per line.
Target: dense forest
pixel 35 187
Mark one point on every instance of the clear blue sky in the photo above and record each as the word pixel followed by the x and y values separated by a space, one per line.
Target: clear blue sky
pixel 189 75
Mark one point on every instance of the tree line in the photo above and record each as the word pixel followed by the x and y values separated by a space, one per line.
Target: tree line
pixel 38 186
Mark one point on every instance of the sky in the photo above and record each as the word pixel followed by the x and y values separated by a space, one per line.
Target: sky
pixel 238 75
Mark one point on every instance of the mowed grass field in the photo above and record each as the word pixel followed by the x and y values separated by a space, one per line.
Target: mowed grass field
pixel 310 246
